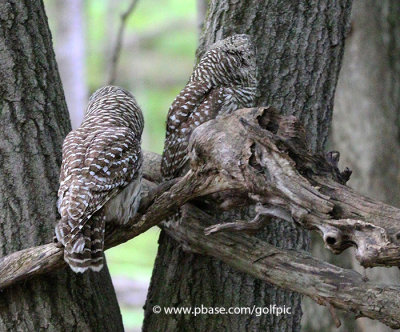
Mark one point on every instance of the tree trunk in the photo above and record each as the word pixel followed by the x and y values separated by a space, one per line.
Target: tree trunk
pixel 201 6
pixel 366 116
pixel 34 121
pixel 300 46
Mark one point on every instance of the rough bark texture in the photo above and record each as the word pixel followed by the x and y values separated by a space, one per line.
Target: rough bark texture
pixel 312 309
pixel 366 117
pixel 202 6
pixel 34 121
pixel 366 114
pixel 299 45
pixel 261 156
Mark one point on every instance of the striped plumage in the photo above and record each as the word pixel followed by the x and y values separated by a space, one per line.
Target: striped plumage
pixel 223 81
pixel 100 178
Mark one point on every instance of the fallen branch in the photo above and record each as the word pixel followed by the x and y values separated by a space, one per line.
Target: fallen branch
pixel 326 284
pixel 264 154
pixel 256 156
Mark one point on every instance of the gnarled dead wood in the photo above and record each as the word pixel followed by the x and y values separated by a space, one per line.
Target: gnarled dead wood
pixel 325 283
pixel 256 155
pixel 266 155
pixel 157 204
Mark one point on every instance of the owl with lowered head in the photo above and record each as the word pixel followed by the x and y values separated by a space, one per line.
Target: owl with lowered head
pixel 223 81
pixel 100 180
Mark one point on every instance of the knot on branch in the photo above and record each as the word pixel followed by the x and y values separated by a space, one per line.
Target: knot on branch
pixel 334 239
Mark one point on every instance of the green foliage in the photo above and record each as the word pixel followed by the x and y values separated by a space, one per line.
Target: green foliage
pixel 132 318
pixel 153 12
pixel 135 258
pixel 156 59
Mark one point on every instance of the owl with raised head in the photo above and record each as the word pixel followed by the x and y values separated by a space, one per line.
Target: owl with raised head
pixel 223 81
pixel 100 180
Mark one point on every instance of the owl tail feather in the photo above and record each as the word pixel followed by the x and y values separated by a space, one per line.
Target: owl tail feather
pixel 84 250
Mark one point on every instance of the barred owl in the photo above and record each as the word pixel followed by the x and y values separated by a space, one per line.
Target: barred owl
pixel 100 180
pixel 223 81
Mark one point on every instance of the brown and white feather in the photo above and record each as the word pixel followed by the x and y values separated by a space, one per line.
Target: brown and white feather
pixel 223 81
pixel 100 178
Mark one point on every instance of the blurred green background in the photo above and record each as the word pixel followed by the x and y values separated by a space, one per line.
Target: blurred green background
pixel 156 60
pixel 157 54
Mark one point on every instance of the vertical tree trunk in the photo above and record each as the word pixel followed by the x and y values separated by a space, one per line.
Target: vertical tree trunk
pixel 366 116
pixel 300 46
pixel 202 6
pixel 34 121
pixel 69 34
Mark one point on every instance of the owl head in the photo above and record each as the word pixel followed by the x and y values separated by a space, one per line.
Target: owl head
pixel 106 95
pixel 230 61
pixel 239 45
pixel 117 106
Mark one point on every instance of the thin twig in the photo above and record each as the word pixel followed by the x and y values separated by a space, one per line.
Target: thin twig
pixel 332 311
pixel 118 44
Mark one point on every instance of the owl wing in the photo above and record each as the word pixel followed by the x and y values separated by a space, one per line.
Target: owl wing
pixel 196 104
pixel 92 174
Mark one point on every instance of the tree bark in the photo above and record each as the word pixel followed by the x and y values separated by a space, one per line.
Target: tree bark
pixel 201 7
pixel 366 115
pixel 34 121
pixel 300 47
pixel 257 152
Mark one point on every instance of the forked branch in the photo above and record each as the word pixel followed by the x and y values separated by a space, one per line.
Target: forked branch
pixel 325 283
pixel 265 155
pixel 257 156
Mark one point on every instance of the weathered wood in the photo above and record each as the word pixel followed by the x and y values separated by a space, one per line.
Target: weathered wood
pixel 30 262
pixel 260 153
pixel 325 283
pixel 279 172
pixel 39 260
pixel 239 154
pixel 299 51
pixel 364 124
